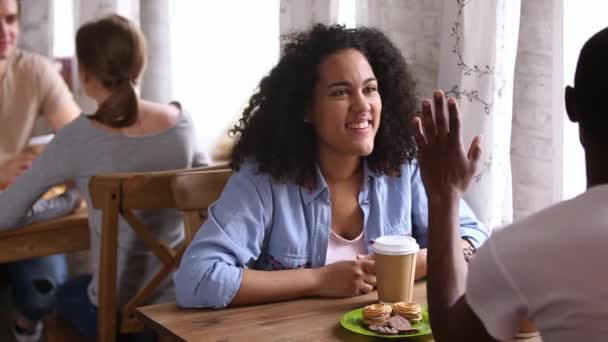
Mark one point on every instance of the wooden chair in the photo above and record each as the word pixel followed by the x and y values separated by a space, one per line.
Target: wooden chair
pixel 122 194
pixel 194 191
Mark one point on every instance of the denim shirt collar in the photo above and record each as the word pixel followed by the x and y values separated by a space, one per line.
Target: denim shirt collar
pixel 310 195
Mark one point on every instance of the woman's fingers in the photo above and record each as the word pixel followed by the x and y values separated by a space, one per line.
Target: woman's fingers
pixel 365 288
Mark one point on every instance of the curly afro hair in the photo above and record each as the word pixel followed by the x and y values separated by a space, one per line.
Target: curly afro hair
pixel 272 131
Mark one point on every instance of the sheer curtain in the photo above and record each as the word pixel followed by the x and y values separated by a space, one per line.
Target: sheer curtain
pixel 156 81
pixel 467 48
pixel 478 47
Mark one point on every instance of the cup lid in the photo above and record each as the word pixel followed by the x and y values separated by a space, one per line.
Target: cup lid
pixel 396 245
pixel 41 139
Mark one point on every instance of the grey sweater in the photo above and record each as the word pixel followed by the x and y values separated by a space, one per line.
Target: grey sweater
pixel 82 150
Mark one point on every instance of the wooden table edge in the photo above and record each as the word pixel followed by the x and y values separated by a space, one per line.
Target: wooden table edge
pixel 76 223
pixel 157 327
pixel 79 217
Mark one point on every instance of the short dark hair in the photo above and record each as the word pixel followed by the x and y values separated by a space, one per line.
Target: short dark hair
pixel 272 131
pixel 590 85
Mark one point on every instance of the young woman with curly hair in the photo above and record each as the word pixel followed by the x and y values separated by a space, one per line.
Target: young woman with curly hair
pixel 324 164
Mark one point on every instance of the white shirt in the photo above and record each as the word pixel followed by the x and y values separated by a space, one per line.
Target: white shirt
pixel 550 268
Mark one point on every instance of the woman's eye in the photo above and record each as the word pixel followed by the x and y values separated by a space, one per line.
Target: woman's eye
pixel 340 92
pixel 370 89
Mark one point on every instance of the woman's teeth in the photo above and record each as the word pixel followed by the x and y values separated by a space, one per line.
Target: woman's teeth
pixel 359 125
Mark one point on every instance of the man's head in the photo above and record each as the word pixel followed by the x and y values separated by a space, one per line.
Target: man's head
pixel 9 27
pixel 586 102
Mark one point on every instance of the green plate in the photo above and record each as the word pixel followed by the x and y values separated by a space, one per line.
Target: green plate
pixel 352 321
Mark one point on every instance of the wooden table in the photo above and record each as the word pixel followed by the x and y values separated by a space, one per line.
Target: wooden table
pixel 61 235
pixel 298 320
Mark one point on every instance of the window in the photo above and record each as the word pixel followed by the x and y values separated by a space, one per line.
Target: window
pixel 582 19
pixel 63 28
pixel 219 53
pixel 347 12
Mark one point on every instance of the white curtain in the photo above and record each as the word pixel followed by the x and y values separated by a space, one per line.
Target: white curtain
pixel 297 15
pixel 476 65
pixel 36 23
pixel 537 115
pixel 36 19
pixel 467 48
pixel 156 82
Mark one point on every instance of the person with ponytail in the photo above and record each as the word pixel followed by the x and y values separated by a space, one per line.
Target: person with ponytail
pixel 124 134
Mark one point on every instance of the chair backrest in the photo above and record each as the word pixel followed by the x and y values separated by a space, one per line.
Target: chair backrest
pixel 193 192
pixel 122 194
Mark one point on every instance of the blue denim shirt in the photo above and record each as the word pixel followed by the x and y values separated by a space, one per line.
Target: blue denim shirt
pixel 262 224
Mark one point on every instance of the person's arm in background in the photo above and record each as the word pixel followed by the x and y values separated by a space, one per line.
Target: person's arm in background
pixel 214 270
pixel 54 166
pixel 12 166
pixel 56 105
pixel 65 113
pixel 472 231
pixel 446 170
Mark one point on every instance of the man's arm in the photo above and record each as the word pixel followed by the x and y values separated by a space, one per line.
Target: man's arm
pixel 464 325
pixel 446 171
pixel 66 111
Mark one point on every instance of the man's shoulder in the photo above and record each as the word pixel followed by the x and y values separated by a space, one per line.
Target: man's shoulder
pixel 30 62
pixel 553 228
pixel 565 213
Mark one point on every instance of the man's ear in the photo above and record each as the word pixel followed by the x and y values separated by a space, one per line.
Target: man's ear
pixel 308 115
pixel 570 99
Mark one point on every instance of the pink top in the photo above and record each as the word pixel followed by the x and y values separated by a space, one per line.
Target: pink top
pixel 338 248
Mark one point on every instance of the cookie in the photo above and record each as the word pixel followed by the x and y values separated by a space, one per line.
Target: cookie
pixel 381 321
pixel 399 323
pixel 410 311
pixel 384 330
pixel 376 310
pixel 376 314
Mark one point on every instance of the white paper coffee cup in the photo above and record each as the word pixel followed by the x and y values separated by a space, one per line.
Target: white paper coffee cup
pixel 395 260
pixel 38 143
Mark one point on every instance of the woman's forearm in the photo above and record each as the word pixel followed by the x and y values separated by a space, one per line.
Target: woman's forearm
pixel 265 286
